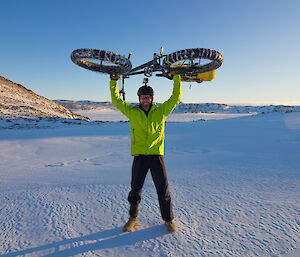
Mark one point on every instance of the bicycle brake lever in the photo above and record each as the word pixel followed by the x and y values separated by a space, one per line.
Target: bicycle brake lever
pixel 164 75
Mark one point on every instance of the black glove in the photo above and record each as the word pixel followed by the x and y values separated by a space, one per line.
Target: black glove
pixel 114 76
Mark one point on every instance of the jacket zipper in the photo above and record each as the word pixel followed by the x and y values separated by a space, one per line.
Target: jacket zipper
pixel 148 132
pixel 133 135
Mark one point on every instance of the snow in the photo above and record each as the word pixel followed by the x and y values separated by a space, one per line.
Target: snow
pixel 235 184
pixel 105 114
pixel 188 107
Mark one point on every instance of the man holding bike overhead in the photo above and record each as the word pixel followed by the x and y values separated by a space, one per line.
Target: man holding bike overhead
pixel 147 125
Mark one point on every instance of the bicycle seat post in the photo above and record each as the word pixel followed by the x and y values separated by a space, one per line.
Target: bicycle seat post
pixel 122 91
pixel 161 51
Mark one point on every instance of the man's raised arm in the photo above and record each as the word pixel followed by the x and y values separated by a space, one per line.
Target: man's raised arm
pixel 116 100
pixel 170 104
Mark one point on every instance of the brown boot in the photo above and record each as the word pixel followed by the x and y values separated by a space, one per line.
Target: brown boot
pixel 171 226
pixel 130 224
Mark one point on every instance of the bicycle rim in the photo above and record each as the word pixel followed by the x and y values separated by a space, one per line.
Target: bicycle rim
pixel 101 61
pixel 199 60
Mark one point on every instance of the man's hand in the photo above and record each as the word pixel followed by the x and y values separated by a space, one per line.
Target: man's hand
pixel 177 78
pixel 114 76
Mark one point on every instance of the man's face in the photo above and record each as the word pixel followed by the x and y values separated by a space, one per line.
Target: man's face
pixel 146 101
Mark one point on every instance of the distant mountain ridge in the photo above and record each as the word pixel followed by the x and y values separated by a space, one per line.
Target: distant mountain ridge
pixel 188 107
pixel 16 101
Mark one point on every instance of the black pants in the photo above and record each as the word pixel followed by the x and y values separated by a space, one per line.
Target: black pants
pixel 141 165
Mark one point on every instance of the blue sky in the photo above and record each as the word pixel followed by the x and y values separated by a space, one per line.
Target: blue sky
pixel 259 40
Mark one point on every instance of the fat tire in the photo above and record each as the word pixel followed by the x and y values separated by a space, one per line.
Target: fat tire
pixel 188 54
pixel 79 57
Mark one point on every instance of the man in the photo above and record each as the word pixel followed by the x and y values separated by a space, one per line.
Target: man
pixel 147 125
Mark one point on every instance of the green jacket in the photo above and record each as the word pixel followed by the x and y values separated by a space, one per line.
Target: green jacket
pixel 147 132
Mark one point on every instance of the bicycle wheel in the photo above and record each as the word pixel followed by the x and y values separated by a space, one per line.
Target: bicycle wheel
pixel 101 61
pixel 207 59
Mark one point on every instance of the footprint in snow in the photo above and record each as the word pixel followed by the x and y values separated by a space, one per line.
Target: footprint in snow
pixel 59 164
pixel 94 161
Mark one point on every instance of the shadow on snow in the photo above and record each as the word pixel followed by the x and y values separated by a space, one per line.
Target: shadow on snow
pixel 98 241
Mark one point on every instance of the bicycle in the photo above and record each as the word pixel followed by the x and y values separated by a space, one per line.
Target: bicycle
pixel 193 65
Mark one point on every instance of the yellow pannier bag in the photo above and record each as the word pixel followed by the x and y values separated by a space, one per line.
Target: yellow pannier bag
pixel 205 76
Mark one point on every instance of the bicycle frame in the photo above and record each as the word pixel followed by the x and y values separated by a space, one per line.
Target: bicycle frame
pixel 154 64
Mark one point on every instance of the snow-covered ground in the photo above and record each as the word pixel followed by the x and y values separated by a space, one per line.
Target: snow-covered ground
pixel 108 114
pixel 235 185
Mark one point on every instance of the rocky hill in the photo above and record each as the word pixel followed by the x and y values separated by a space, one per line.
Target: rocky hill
pixel 16 101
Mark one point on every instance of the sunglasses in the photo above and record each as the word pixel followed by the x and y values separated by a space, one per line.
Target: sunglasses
pixel 145 97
